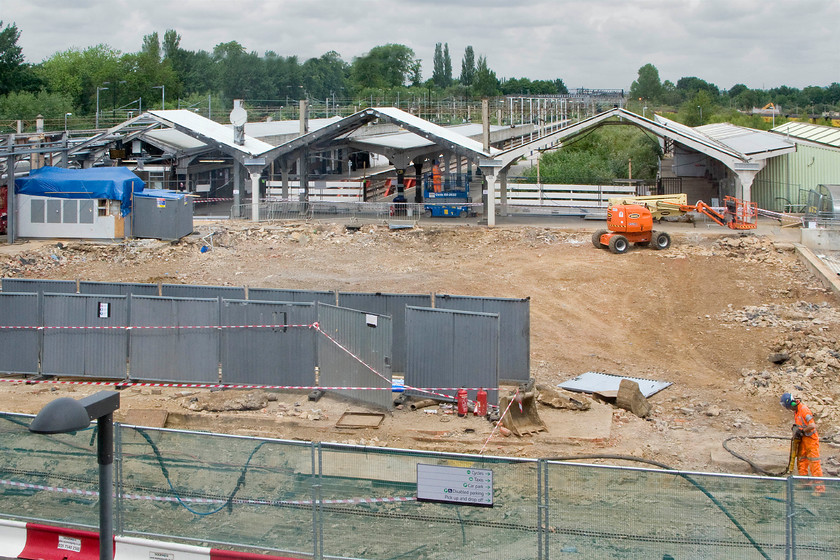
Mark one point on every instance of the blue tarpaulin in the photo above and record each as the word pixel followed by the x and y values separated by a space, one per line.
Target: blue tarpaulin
pixel 111 183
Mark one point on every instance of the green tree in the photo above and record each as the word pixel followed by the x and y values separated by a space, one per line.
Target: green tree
pixel 15 75
pixel 325 76
pixel 385 66
pixel 600 156
pixel 447 65
pixel 486 84
pixel 28 105
pixel 467 67
pixel 648 86
pixel 439 67
pixel 76 74
pixel 697 110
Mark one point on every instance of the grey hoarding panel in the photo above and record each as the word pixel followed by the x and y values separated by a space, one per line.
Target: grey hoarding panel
pixel 268 356
pixel 514 330
pixel 23 285
pixel 299 296
pixel 19 348
pixel 118 288
pixel 162 218
pixel 96 351
pixel 188 354
pixel 354 350
pixel 193 291
pixel 452 349
pixel 392 305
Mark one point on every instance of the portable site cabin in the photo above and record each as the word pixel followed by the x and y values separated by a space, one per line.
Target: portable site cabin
pixel 97 203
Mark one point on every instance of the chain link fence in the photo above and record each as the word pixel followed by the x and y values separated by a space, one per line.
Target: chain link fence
pixel 318 500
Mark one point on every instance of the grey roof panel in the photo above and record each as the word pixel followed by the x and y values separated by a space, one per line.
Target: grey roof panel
pixel 211 130
pixel 595 382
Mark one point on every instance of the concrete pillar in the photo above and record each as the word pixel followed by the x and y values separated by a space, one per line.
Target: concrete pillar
pixel 11 201
pixel 503 202
pixel 236 198
pixel 255 196
pixel 485 121
pixel 490 200
pixel 284 175
pixel 418 189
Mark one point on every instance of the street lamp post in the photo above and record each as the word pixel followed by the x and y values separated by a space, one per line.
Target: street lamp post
pixel 162 96
pixel 65 120
pixel 66 415
pixel 701 113
pixel 98 89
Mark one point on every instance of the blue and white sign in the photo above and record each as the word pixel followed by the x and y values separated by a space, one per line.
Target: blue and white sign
pixel 456 485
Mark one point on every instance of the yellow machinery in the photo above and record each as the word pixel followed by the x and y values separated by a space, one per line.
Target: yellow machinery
pixel 660 205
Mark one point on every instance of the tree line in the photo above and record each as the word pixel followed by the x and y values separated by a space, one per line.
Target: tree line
pixel 694 101
pixel 77 81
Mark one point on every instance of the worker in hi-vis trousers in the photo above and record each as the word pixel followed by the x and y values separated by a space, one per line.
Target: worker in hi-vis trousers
pixel 808 457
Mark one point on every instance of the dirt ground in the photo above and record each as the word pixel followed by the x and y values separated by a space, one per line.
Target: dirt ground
pixel 705 315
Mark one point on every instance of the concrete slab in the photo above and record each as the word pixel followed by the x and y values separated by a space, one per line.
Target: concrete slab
pixel 811 261
pixel 594 424
pixel 772 456
pixel 149 417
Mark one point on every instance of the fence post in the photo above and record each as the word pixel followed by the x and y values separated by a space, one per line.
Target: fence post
pixel 542 510
pixel 317 517
pixel 118 479
pixel 790 530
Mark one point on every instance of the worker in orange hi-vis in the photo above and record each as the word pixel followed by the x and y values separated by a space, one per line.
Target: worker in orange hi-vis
pixel 808 456
pixel 436 178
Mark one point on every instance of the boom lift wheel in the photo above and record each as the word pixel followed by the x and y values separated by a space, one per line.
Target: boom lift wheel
pixel 596 238
pixel 661 240
pixel 619 244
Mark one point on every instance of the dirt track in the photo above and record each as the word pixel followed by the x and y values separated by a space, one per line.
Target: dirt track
pixel 684 315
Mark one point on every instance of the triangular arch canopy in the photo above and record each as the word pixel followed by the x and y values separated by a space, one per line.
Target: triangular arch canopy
pixel 744 151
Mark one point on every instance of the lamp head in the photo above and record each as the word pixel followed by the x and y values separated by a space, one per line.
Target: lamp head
pixel 60 416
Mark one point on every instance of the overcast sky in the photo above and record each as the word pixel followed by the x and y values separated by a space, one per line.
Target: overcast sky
pixel 586 43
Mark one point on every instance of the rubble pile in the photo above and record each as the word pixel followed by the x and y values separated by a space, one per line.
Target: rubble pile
pixel 804 361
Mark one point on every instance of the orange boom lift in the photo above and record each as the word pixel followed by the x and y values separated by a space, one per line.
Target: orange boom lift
pixel 631 220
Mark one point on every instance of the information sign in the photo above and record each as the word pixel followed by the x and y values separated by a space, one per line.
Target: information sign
pixel 457 485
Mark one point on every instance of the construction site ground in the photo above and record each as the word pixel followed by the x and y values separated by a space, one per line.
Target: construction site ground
pixel 706 315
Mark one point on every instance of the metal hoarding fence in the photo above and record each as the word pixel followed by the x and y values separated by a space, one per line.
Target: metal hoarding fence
pixel 276 346
pixel 174 339
pixel 514 329
pixel 85 335
pixel 20 341
pixel 20 285
pixel 392 305
pixel 447 348
pixel 354 350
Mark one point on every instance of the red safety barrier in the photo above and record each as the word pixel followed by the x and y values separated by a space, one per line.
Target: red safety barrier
pixel 53 543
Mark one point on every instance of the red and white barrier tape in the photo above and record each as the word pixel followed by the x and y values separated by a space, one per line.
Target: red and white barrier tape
pixel 162 327
pixel 198 200
pixel 227 386
pixel 499 423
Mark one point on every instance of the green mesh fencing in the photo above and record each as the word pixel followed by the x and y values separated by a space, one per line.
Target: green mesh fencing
pixel 318 500
pixel 216 489
pixel 48 477
pixel 612 512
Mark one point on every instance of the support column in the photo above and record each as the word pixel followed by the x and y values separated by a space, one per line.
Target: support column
pixel 236 200
pixel 418 189
pixel 255 196
pixel 284 176
pixel 490 200
pixel 503 202
pixel 11 200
